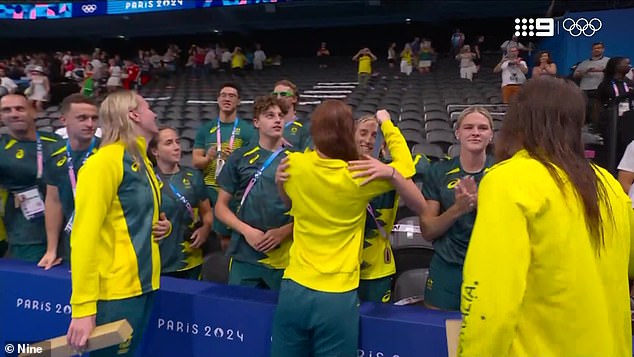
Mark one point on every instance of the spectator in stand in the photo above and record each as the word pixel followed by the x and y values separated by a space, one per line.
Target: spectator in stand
pixel 457 42
pixel 425 57
pixel 544 66
pixel 512 43
pixel 238 61
pixel 131 75
pixel 467 66
pixel 225 60
pixel 590 74
pixel 40 88
pixel 114 81
pixel 7 85
pixel 391 55
pixel 406 59
pixel 211 61
pixel 322 55
pixel 258 58
pixel 514 71
pixel 475 47
pixel 365 58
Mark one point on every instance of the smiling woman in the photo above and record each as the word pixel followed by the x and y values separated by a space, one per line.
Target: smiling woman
pixel 450 188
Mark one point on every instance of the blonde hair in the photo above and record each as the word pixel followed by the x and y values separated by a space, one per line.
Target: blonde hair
pixel 366 118
pixel 116 124
pixel 474 109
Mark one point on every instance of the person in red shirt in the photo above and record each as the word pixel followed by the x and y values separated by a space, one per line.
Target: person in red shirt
pixel 132 70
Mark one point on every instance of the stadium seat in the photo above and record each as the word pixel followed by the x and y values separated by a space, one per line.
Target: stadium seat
pixel 410 284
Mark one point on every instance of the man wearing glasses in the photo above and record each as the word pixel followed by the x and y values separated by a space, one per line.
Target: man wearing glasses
pixel 296 134
pixel 215 141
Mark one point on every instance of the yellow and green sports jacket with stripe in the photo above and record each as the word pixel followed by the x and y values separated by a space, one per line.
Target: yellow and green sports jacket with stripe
pixel 113 253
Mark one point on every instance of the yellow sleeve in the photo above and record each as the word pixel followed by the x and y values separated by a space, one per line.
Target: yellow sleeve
pixel 494 274
pixel 97 185
pixel 401 156
pixel 401 160
pixel 631 265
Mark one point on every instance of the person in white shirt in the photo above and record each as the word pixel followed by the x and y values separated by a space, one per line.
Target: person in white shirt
pixel 226 60
pixel 467 66
pixel 514 71
pixel 7 85
pixel 590 75
pixel 258 58
pixel 626 171
pixel 211 61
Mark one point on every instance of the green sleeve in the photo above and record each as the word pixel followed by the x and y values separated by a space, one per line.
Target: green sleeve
pixel 201 136
pixel 431 191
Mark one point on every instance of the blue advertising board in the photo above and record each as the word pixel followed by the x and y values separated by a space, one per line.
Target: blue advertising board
pixel 129 7
pixel 193 318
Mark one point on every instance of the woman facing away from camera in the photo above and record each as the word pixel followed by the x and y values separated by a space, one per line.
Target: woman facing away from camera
pixel 318 309
pixel 546 273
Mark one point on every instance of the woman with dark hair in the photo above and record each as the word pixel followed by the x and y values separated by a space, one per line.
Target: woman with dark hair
pixel 615 84
pixel 185 204
pixel 546 273
pixel 318 309
pixel 616 90
pixel 544 65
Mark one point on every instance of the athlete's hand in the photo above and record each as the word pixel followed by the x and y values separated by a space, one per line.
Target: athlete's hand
pixel 226 152
pixel 199 237
pixel 79 331
pixel 211 152
pixel 271 239
pixel 382 115
pixel 465 198
pixel 253 237
pixel 161 228
pixel 49 260
pixel 281 175
pixel 371 168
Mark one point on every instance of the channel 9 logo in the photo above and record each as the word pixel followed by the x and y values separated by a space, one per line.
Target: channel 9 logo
pixel 545 27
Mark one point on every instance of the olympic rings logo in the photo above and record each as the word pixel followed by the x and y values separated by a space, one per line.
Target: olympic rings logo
pixel 89 8
pixel 582 26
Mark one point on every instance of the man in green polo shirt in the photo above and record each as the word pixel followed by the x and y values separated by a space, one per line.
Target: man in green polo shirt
pixel 23 153
pixel 215 141
pixel 80 115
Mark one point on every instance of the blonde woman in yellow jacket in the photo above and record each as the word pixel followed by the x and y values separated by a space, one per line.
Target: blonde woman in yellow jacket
pixel 546 272
pixel 115 260
pixel 318 308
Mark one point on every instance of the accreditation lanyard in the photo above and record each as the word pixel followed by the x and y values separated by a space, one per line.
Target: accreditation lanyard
pixel 218 136
pixel 258 173
pixel 39 155
pixel 616 89
pixel 180 197
pixel 378 226
pixel 71 169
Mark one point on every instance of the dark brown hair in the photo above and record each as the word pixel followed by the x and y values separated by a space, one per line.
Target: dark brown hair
pixel 332 129
pixel 539 56
pixel 263 103
pixel 549 129
pixel 229 85
pixel 75 98
pixel 153 144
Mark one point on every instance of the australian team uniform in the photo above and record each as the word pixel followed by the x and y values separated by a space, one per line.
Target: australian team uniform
pixel 249 176
pixel 181 195
pixel 22 167
pixel 377 265
pixel 232 135
pixel 442 289
pixel 317 312
pixel 61 171
pixel 114 258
